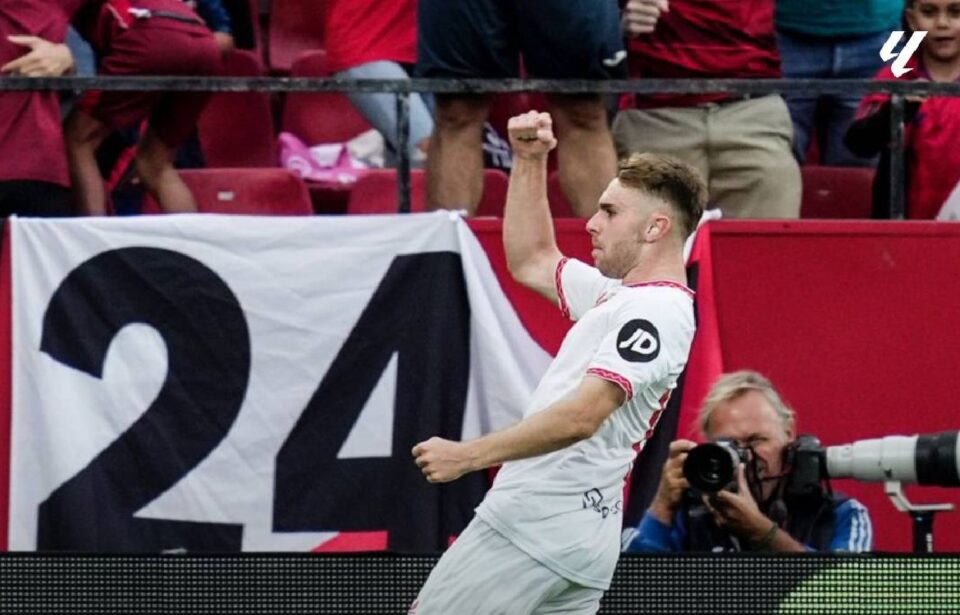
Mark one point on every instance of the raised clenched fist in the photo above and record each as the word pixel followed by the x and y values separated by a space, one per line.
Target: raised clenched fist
pixel 531 134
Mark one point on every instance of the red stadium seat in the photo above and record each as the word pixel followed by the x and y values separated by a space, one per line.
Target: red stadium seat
pixel 376 192
pixel 244 191
pixel 494 193
pixel 320 118
pixel 296 26
pixel 836 192
pixel 559 205
pixel 236 128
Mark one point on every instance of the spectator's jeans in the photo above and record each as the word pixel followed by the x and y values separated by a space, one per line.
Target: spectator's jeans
pixel 806 57
pixel 740 147
pixel 381 109
pixel 85 61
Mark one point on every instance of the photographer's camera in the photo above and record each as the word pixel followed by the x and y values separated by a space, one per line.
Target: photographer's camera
pixel 712 467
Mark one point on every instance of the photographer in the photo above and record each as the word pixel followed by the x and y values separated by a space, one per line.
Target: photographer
pixel 763 509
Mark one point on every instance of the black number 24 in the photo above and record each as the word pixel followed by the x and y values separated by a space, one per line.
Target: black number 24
pixel 418 312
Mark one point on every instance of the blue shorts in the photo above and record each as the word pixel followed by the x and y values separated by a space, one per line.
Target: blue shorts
pixel 558 39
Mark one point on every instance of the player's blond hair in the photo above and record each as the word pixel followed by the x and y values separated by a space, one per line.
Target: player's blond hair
pixel 670 179
pixel 736 384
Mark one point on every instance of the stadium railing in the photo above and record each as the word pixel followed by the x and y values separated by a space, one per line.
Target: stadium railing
pixel 899 91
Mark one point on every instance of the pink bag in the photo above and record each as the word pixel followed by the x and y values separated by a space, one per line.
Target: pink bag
pixel 329 163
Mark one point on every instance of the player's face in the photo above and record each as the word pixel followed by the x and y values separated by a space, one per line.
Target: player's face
pixel 752 422
pixel 616 230
pixel 941 20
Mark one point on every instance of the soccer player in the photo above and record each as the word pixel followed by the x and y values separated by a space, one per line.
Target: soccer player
pixel 547 536
pixel 139 37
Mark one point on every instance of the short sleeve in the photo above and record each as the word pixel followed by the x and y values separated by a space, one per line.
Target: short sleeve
pixel 579 287
pixel 639 347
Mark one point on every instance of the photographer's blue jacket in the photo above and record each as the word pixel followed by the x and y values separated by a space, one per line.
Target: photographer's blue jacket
pixel 852 532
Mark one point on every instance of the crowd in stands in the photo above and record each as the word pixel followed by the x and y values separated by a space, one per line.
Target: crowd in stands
pixel 761 156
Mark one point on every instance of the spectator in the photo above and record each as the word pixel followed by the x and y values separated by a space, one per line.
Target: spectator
pixel 370 39
pixel 213 13
pixel 143 37
pixel 932 125
pixel 33 179
pixel 739 143
pixel 558 39
pixel 764 513
pixel 824 39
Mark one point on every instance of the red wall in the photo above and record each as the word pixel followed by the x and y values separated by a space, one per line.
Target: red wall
pixel 859 326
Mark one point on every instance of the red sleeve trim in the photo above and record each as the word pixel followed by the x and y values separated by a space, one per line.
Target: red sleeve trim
pixel 558 282
pixel 615 378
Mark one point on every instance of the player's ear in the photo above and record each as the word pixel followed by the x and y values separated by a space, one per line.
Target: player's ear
pixel 657 227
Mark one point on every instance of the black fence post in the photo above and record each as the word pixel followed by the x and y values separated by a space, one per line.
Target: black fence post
pixel 403 153
pixel 897 166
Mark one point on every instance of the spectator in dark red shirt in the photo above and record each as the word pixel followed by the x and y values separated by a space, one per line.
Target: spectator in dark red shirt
pixel 933 124
pixel 140 37
pixel 33 176
pixel 741 144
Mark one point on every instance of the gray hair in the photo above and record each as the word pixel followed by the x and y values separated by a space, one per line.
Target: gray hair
pixel 732 386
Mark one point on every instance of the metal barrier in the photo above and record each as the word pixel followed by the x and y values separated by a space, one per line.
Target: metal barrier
pixel 404 87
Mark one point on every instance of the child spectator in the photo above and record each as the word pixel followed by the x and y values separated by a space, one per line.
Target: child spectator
pixel 932 125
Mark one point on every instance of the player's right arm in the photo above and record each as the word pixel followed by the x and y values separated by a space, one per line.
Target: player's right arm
pixel 528 237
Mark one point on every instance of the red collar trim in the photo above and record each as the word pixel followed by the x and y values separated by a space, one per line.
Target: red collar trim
pixel 666 283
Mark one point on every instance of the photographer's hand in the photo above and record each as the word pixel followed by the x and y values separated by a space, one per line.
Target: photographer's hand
pixel 672 483
pixel 739 513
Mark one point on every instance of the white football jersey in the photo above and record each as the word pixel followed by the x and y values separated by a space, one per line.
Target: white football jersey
pixel 565 508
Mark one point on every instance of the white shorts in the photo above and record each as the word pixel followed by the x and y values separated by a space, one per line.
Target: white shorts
pixel 483 573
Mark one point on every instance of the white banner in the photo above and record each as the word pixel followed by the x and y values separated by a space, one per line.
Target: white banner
pixel 226 383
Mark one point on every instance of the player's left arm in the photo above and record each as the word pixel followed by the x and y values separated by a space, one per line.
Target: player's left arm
pixel 564 423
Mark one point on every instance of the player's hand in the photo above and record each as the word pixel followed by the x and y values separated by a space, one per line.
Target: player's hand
pixel 45 59
pixel 738 511
pixel 531 135
pixel 641 16
pixel 672 482
pixel 440 460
